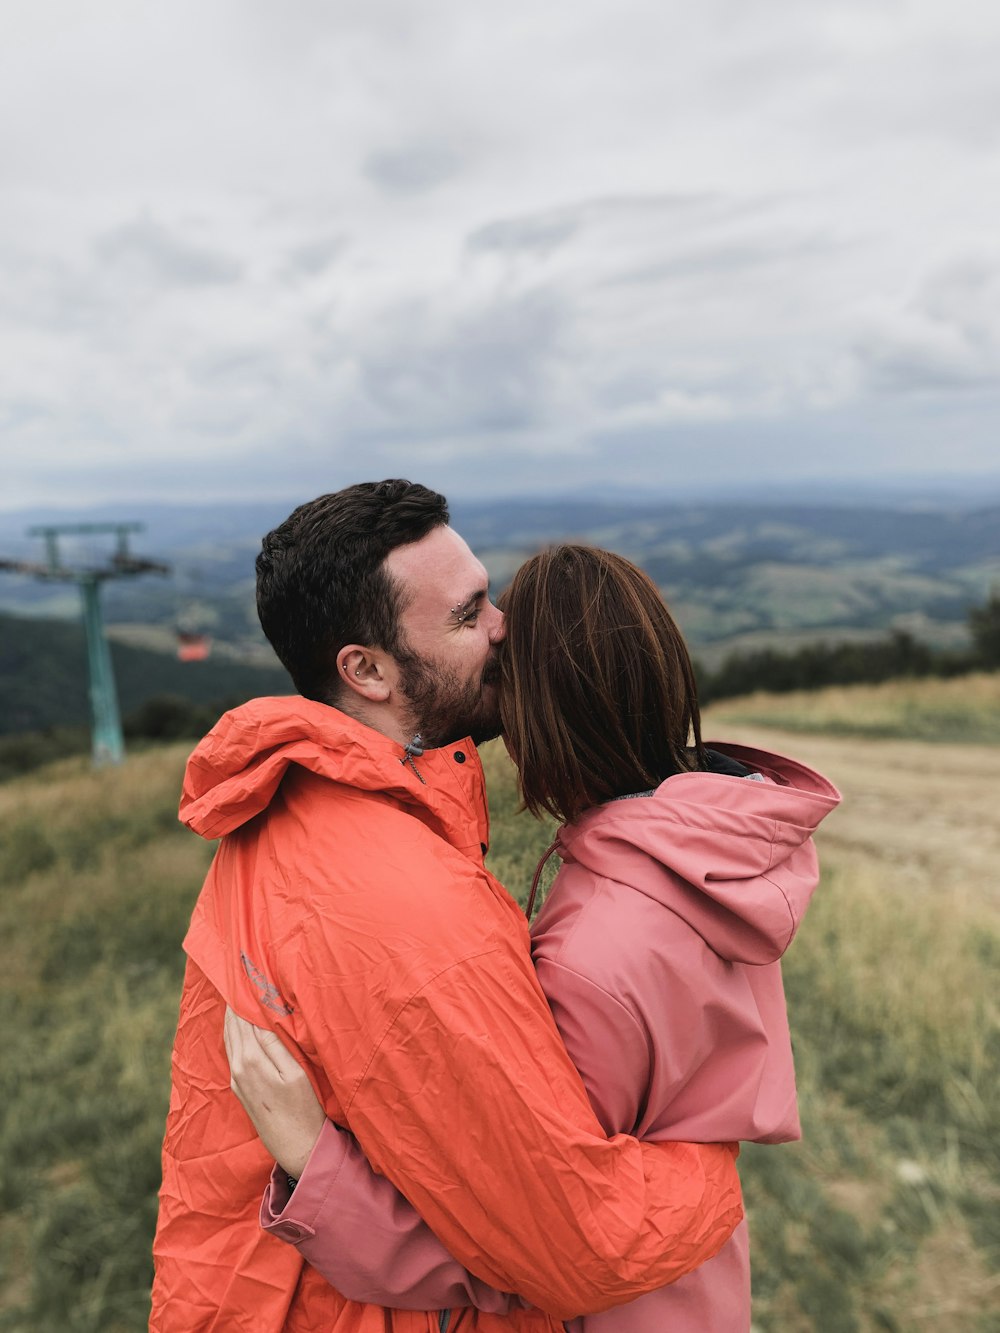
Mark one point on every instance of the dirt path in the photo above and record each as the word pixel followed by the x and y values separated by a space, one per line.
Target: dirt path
pixel 930 813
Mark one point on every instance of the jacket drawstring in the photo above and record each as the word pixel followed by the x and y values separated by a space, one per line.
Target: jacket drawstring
pixel 413 750
pixel 538 874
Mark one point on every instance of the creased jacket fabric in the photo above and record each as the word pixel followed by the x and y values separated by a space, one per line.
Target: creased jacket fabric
pixel 658 948
pixel 348 908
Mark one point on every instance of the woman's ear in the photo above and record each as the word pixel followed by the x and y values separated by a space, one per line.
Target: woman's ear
pixel 362 669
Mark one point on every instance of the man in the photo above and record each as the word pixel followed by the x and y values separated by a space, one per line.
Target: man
pixel 348 909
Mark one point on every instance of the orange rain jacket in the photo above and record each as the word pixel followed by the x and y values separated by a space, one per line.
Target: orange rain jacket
pixel 348 908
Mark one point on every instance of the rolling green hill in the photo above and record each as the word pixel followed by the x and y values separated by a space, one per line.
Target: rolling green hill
pixel 736 575
pixel 43 676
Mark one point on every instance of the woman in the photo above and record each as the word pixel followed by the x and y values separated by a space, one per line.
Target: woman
pixel 685 872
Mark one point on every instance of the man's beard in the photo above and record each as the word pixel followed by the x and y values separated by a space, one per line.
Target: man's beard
pixel 443 708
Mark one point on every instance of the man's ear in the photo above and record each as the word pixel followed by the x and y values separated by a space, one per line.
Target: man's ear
pixel 362 669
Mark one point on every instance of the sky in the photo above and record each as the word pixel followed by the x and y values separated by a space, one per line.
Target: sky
pixel 251 250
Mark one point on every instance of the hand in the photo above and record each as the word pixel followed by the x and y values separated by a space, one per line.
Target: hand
pixel 275 1092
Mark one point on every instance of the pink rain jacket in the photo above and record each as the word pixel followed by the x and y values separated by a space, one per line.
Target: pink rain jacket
pixel 658 950
pixel 348 908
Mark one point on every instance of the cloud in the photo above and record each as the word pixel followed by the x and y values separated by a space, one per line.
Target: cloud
pixel 547 233
pixel 151 250
pixel 541 235
pixel 308 259
pixel 944 338
pixel 412 168
pixel 477 370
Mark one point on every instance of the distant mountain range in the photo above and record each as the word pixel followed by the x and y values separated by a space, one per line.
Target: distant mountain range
pixel 736 574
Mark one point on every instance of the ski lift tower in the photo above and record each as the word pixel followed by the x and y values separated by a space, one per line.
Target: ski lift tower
pixel 107 741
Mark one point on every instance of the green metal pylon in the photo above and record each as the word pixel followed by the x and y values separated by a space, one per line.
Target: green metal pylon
pixel 107 740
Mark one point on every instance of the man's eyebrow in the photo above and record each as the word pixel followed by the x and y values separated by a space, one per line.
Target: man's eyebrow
pixel 463 608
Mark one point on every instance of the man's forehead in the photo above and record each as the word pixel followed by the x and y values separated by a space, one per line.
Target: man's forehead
pixel 438 567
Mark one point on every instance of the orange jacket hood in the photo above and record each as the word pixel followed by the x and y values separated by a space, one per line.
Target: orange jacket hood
pixel 233 774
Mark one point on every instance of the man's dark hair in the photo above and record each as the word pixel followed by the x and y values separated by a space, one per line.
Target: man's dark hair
pixel 321 579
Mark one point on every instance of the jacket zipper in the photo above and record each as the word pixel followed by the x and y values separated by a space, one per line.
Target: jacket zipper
pixel 444 1319
pixel 413 750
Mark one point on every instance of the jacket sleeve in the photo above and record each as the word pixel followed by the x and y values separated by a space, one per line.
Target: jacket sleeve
pixel 606 1043
pixel 362 1235
pixel 498 1149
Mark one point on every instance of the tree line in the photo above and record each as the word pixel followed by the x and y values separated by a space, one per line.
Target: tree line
pixel 819 664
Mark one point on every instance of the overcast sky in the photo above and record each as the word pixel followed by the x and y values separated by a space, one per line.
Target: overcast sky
pixel 251 248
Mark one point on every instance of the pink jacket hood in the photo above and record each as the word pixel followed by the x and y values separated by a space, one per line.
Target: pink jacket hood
pixel 724 853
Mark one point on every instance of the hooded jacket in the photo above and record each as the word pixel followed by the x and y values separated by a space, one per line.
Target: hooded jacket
pixel 658 948
pixel 348 908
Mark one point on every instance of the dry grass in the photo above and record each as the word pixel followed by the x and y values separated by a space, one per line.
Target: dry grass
pixel 894 999
pixel 886 1217
pixel 923 813
pixel 966 709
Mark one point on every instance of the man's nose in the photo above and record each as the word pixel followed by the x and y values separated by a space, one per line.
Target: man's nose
pixel 498 629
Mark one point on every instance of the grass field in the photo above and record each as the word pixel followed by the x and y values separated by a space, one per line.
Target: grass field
pixel 886 1217
pixel 965 710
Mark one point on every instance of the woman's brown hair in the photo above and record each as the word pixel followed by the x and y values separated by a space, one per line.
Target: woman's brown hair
pixel 599 697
